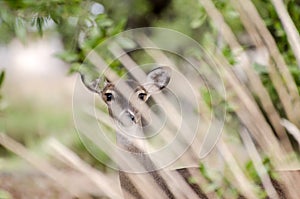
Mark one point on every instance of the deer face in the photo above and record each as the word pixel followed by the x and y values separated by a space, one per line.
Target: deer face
pixel 123 102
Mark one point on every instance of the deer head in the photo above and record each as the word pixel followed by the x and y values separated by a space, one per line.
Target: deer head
pixel 123 103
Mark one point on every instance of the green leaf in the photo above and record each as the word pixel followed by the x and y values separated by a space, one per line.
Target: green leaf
pixel 204 172
pixel 206 95
pixel 75 67
pixel 105 23
pixel 260 69
pixel 20 29
pixel 192 180
pixel 126 42
pixel 229 55
pixel 119 27
pixel 2 76
pixel 68 56
pixel 55 17
pixel 39 23
pixel 233 14
pixel 196 23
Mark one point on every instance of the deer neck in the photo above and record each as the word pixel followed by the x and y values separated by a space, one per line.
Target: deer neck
pixel 131 139
pixel 136 145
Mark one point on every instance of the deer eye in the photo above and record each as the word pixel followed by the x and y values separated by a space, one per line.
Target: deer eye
pixel 142 96
pixel 108 97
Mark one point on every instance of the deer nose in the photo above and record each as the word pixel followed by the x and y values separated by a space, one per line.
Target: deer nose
pixel 131 115
pixel 127 118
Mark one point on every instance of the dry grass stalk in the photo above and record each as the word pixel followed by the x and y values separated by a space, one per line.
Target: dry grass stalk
pixel 289 27
pixel 127 62
pixel 41 165
pixel 147 187
pixel 284 97
pixel 257 162
pixel 178 185
pixel 270 145
pixel 275 78
pixel 258 125
pixel 243 183
pixel 105 184
pixel 292 129
pixel 291 184
pixel 102 66
pixel 267 141
pixel 100 179
pixel 254 80
pixel 201 182
pixel 270 43
pixel 249 112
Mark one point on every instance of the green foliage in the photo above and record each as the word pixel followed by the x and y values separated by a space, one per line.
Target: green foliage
pixel 69 56
pixel 2 76
pixel 216 103
pixel 218 183
pixel 230 15
pixel 102 28
pixel 71 19
pixel 228 55
pixel 19 18
pixel 252 173
pixel 203 171
pixel 80 30
pixel 39 23
pixel 206 96
pixel 268 13
pixel 273 23
pixel 199 20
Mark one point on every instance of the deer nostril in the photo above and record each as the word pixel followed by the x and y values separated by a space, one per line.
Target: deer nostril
pixel 127 118
pixel 131 116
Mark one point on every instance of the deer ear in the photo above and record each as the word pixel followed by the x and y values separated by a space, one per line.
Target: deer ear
pixel 95 84
pixel 157 79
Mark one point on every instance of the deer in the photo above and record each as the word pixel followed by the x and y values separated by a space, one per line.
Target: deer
pixel 130 121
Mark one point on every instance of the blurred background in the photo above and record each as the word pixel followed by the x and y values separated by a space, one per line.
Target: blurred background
pixel 255 44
